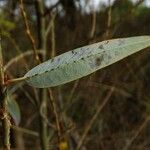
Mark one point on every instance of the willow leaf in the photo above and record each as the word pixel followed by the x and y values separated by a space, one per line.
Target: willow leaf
pixel 14 109
pixel 84 61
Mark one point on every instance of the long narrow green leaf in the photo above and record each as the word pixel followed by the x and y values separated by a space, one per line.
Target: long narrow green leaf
pixel 13 109
pixel 83 61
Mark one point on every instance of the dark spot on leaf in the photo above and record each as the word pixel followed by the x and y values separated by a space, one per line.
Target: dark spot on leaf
pixel 82 58
pixel 98 60
pixel 46 71
pixel 74 52
pixel 101 47
pixel 52 59
pixel 106 42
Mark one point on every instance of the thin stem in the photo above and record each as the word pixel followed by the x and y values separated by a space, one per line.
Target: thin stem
pixel 43 131
pixel 28 31
pixel 108 20
pixel 43 124
pixel 49 26
pixel 53 53
pixel 93 25
pixel 139 130
pixel 53 103
pixel 70 99
pixel 21 56
pixel 16 80
pixel 26 131
pixel 87 129
pixel 4 117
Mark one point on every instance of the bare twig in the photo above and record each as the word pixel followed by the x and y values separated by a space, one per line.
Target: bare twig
pixel 26 131
pixel 70 99
pixel 53 52
pixel 92 33
pixel 53 103
pixel 73 90
pixel 90 124
pixel 4 117
pixel 30 36
pixel 108 20
pixel 49 26
pixel 138 3
pixel 139 130
pixel 21 56
pixel 49 10
pixel 43 115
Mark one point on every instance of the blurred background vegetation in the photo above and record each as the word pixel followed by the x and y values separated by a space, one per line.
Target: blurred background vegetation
pixel 123 123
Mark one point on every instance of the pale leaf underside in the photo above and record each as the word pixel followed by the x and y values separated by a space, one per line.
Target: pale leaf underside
pixel 83 61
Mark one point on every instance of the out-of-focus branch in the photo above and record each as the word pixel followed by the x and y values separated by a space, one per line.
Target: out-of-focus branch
pixel 108 20
pixel 19 57
pixel 138 3
pixel 53 52
pixel 51 28
pixel 54 107
pixel 139 130
pixel 87 129
pixel 92 33
pixel 25 131
pixel 29 34
pixel 4 117
pixel 49 10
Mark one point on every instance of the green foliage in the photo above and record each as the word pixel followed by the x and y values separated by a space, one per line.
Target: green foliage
pixel 84 61
pixel 13 109
pixel 6 24
pixel 120 9
pixel 142 11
